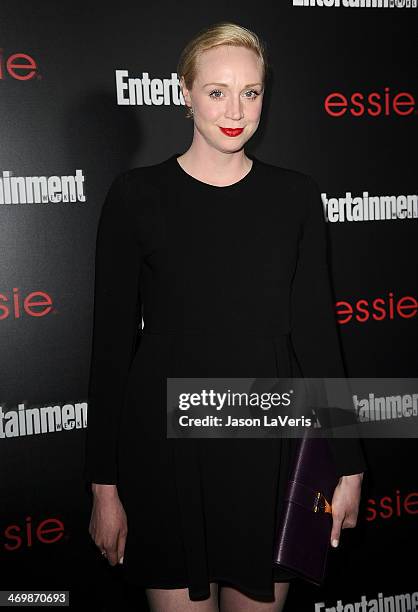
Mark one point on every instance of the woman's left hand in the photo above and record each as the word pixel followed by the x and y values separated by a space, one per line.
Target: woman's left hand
pixel 345 505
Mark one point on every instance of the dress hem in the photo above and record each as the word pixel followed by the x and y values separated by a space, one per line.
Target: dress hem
pixel 254 594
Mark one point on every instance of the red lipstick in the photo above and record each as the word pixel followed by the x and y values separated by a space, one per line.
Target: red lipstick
pixel 231 131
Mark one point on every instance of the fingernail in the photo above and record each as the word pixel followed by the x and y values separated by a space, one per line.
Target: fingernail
pixel 334 543
pixel 121 560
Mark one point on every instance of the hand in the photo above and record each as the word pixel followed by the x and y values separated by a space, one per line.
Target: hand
pixel 345 504
pixel 108 523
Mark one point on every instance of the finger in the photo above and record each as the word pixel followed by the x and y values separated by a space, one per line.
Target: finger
pixel 336 530
pixel 121 547
pixel 112 555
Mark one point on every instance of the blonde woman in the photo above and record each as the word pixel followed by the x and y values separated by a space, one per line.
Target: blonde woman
pixel 223 256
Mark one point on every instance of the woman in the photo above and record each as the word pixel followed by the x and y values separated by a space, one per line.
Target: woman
pixel 208 248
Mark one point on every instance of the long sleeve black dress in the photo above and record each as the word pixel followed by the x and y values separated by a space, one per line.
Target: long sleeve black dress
pixel 230 282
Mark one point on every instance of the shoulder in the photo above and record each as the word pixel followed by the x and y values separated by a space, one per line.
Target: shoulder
pixel 145 178
pixel 140 189
pixel 299 188
pixel 287 177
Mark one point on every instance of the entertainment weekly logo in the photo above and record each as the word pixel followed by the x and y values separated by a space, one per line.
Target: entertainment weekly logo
pixel 365 207
pixel 385 407
pixel 147 92
pixel 399 602
pixel 370 4
pixel 41 189
pixel 38 420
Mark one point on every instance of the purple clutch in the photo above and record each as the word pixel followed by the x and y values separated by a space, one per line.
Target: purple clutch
pixel 305 522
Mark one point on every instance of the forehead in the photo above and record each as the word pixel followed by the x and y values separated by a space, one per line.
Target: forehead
pixel 228 64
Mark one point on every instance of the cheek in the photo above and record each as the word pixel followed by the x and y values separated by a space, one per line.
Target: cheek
pixel 211 111
pixel 253 111
pixel 208 109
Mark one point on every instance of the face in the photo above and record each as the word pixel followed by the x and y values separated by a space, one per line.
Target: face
pixel 227 93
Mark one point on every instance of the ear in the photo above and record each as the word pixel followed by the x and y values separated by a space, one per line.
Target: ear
pixel 185 92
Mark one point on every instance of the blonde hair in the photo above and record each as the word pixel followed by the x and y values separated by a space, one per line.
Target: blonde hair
pixel 222 33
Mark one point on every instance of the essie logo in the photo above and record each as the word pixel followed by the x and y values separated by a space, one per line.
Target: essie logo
pixel 34 304
pixel 372 104
pixel 18 66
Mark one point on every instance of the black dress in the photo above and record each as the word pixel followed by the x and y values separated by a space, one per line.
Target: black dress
pixel 230 282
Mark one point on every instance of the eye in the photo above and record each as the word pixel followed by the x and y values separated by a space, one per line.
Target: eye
pixel 256 93
pixel 214 91
pixel 217 91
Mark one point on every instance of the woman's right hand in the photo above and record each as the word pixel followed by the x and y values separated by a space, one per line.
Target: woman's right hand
pixel 108 523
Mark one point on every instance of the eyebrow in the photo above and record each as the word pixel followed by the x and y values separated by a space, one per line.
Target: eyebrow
pixel 226 84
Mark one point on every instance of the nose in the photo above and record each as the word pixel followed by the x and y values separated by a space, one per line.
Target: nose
pixel 234 108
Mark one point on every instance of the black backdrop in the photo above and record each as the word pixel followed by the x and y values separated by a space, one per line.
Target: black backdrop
pixel 59 115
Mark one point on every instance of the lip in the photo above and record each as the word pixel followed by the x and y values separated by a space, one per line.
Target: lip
pixel 231 131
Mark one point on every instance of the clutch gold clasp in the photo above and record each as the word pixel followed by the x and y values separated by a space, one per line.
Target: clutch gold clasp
pixel 321 503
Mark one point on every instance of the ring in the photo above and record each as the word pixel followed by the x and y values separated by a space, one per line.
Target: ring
pixel 103 552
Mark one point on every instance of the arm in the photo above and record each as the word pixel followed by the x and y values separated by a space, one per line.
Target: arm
pixel 313 325
pixel 116 317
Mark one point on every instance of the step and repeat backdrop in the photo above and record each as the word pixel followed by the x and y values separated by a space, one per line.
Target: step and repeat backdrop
pixel 89 90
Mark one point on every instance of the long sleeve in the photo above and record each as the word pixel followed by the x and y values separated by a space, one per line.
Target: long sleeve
pixel 117 314
pixel 314 331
